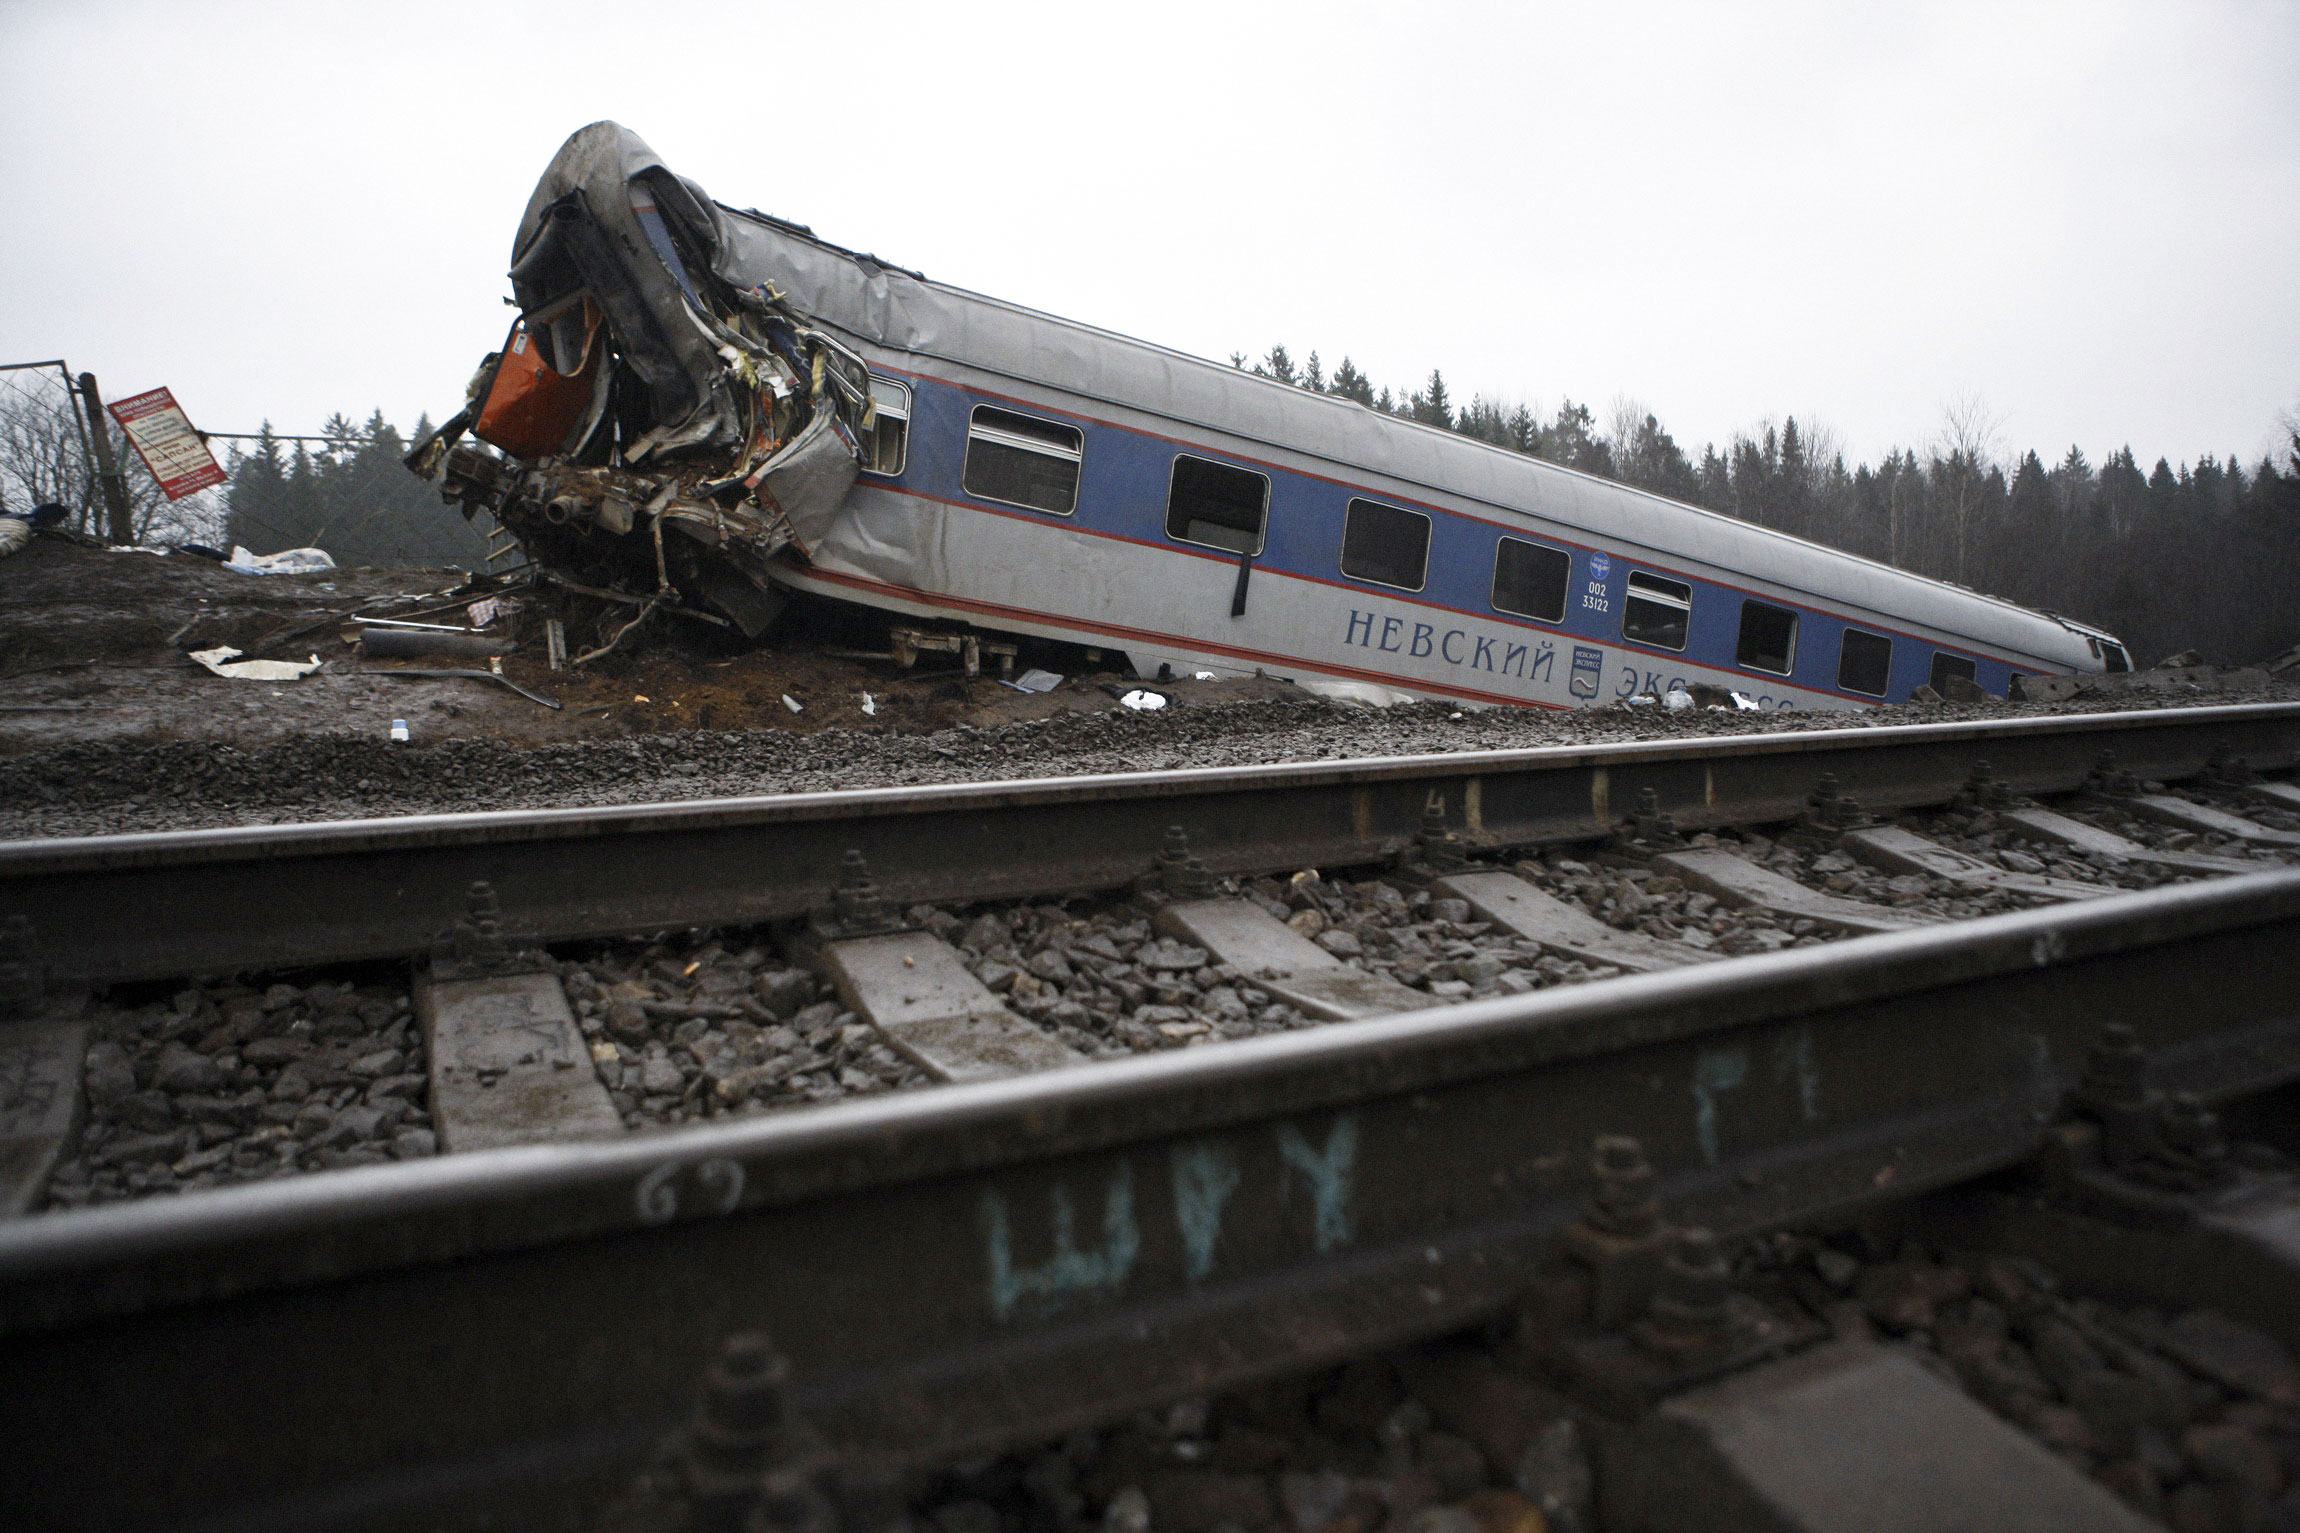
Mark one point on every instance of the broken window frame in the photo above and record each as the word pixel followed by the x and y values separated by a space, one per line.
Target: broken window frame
pixel 1349 519
pixel 1946 664
pixel 1047 446
pixel 1662 594
pixel 1262 516
pixel 884 392
pixel 1745 653
pixel 1845 661
pixel 1564 580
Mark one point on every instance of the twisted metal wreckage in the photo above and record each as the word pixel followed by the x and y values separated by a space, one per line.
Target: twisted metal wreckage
pixel 664 430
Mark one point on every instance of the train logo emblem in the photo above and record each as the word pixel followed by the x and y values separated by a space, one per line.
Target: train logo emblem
pixel 1588 667
pixel 1599 567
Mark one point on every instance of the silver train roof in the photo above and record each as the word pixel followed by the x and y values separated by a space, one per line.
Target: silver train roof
pixel 891 309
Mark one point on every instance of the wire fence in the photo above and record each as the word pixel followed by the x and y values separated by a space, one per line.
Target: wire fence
pixel 343 490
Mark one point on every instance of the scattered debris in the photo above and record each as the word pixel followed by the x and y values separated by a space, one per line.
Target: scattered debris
pixel 399 729
pixel 1142 699
pixel 1035 681
pixel 288 561
pixel 869 704
pixel 793 703
pixel 15 532
pixel 220 660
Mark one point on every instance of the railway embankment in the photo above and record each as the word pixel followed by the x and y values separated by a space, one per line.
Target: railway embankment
pixel 103 787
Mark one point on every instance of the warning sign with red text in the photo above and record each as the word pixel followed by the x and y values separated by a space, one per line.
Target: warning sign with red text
pixel 166 442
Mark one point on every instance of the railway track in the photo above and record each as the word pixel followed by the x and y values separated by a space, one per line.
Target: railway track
pixel 1031 1248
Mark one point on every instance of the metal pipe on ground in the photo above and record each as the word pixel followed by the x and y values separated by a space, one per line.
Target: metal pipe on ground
pixel 406 643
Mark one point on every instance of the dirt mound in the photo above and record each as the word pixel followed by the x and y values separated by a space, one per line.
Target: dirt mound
pixel 94 648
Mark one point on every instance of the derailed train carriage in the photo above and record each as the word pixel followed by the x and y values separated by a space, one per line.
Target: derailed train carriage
pixel 707 409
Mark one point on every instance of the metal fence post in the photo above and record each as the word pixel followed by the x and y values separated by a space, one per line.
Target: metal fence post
pixel 107 466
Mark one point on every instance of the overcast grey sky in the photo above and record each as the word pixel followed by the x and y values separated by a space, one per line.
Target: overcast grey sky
pixel 2086 215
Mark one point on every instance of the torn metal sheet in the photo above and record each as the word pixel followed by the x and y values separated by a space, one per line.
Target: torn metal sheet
pixel 653 427
pixel 220 661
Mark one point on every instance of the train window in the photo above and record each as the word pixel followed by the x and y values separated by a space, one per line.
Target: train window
pixel 1864 662
pixel 1768 638
pixel 890 426
pixel 1529 579
pixel 1945 666
pixel 1657 611
pixel 1022 460
pixel 2114 657
pixel 1386 545
pixel 1217 505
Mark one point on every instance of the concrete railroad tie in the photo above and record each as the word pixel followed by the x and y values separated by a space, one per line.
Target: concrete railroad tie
pixel 916 990
pixel 1282 961
pixel 1904 851
pixel 2167 810
pixel 508 1064
pixel 41 1064
pixel 1561 927
pixel 2045 825
pixel 1738 881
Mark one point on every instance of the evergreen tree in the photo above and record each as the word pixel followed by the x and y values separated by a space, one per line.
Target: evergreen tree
pixel 1314 375
pixel 1432 406
pixel 1571 438
pixel 1524 430
pixel 1352 384
pixel 1652 460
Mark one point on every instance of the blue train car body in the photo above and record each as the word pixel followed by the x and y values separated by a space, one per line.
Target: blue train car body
pixel 1021 473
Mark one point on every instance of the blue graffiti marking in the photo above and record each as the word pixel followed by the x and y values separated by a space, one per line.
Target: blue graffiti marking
pixel 1793 1060
pixel 1069 1271
pixel 1204 1177
pixel 1714 1071
pixel 1328 1173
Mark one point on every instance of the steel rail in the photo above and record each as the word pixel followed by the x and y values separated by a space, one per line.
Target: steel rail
pixel 110 908
pixel 434 1342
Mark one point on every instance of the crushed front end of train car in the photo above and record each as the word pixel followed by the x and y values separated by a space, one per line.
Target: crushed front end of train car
pixel 651 428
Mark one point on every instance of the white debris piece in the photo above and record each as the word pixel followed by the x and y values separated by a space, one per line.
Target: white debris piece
pixel 1036 681
pixel 1142 700
pixel 15 532
pixel 793 703
pixel 1679 700
pixel 288 561
pixel 1745 703
pixel 220 661
pixel 870 704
